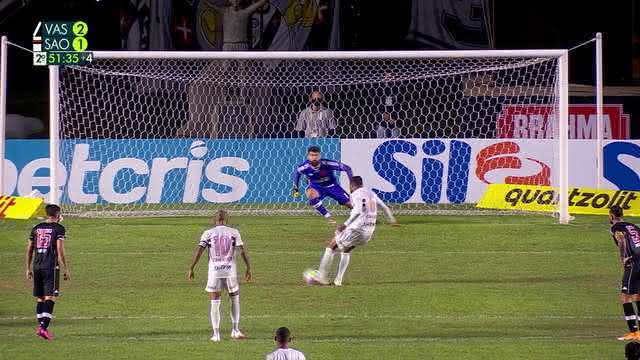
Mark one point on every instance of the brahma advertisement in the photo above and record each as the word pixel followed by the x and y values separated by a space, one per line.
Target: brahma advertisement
pixel 260 171
pixel 539 122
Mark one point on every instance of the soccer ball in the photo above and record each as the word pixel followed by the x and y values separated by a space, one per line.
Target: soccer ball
pixel 309 276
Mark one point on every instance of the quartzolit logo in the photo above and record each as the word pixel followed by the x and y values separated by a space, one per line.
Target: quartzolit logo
pixel 599 201
pixel 5 203
pixel 528 196
pixel 577 198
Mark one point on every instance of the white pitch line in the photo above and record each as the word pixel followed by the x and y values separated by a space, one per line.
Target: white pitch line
pixel 349 340
pixel 333 316
pixel 315 252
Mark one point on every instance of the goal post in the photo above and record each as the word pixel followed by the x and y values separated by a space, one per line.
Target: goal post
pixel 3 107
pixel 121 124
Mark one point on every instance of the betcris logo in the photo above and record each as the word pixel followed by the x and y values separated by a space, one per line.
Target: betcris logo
pixel 161 171
pixel 128 180
pixel 445 171
pixel 622 164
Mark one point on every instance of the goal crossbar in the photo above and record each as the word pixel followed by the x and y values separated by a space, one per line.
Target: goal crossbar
pixel 326 55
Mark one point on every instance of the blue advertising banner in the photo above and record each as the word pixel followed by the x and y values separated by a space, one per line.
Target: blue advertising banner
pixel 163 171
pixel 259 171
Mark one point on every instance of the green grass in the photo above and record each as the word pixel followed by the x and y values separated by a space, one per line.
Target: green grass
pixel 477 287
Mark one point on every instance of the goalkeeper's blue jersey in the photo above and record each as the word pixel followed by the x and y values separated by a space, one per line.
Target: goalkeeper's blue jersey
pixel 323 175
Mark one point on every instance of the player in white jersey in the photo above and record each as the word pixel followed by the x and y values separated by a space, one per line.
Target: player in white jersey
pixel 356 231
pixel 284 352
pixel 221 243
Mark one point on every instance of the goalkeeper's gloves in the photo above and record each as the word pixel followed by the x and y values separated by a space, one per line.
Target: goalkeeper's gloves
pixel 295 192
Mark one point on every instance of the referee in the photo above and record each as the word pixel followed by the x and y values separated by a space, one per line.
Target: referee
pixel 46 241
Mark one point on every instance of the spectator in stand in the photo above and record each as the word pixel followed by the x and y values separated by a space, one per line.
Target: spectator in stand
pixel 316 121
pixel 389 126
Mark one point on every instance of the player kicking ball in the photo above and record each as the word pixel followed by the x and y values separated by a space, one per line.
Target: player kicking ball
pixel 221 243
pixel 356 231
pixel 322 182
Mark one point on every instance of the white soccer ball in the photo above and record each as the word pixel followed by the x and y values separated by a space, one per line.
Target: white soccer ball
pixel 310 276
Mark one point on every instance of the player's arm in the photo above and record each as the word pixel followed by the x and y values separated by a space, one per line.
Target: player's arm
pixel 339 166
pixel 387 212
pixel 622 243
pixel 346 168
pixel 27 260
pixel 296 183
pixel 62 260
pixel 356 212
pixel 196 257
pixel 245 257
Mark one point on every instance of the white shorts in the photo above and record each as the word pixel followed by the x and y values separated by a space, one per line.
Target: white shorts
pixel 351 237
pixel 217 284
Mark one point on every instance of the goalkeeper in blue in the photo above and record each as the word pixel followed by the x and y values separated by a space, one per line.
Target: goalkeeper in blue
pixel 322 181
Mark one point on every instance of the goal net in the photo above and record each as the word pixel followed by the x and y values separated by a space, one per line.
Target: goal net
pixel 178 133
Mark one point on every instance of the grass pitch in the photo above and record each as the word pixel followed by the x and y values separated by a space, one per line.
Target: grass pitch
pixel 463 287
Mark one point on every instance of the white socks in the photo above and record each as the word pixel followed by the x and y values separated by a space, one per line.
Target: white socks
pixel 325 263
pixel 342 268
pixel 214 315
pixel 235 311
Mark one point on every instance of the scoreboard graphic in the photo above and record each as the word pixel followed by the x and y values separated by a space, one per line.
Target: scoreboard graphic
pixel 61 43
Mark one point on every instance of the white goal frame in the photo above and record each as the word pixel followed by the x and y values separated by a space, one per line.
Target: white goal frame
pixel 563 90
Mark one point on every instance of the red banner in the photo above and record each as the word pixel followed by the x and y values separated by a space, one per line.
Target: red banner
pixel 538 122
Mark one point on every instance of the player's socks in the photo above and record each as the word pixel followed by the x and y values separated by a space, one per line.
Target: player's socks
pixel 317 204
pixel 325 263
pixel 235 312
pixel 39 307
pixel 47 313
pixel 630 316
pixel 342 268
pixel 214 315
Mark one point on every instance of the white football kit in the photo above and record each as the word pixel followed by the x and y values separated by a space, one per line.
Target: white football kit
pixel 221 242
pixel 286 354
pixel 362 220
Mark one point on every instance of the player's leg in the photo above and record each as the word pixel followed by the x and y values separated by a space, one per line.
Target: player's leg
pixel 345 258
pixel 214 288
pixel 325 262
pixel 39 309
pixel 38 294
pixel 40 331
pixel 636 300
pixel 47 311
pixel 346 241
pixel 634 297
pixel 234 295
pixel 627 297
pixel 338 194
pixel 46 300
pixel 315 197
